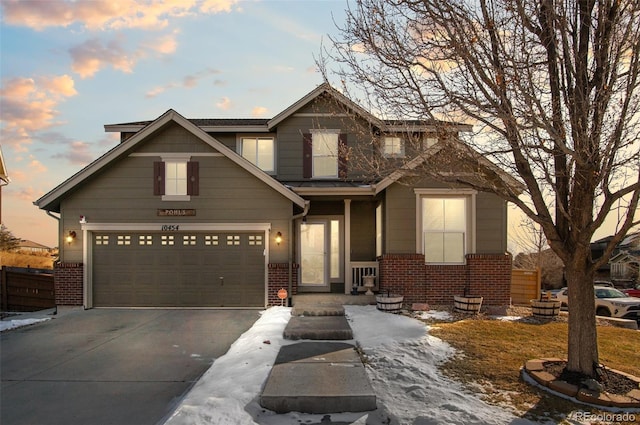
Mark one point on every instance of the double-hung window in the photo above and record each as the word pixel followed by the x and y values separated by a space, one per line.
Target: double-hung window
pixel 260 151
pixel 176 178
pixel 446 227
pixel 393 147
pixel 325 154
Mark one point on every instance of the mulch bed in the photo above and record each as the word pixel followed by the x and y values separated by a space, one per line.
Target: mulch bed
pixel 612 382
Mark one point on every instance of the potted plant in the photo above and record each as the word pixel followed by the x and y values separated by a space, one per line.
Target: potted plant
pixel 467 303
pixel 545 307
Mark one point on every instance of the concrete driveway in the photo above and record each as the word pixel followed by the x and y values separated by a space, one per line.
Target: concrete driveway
pixel 110 366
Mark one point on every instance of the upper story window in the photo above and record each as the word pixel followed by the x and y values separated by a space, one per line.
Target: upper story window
pixel 325 154
pixel 393 147
pixel 176 179
pixel 260 151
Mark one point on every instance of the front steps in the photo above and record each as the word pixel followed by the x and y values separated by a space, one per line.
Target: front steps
pixel 319 376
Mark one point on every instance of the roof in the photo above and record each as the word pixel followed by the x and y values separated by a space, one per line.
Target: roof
pixel 269 124
pixel 51 200
pixel 23 243
pixel 4 177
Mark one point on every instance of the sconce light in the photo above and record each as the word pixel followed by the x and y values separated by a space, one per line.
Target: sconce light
pixel 70 236
pixel 278 238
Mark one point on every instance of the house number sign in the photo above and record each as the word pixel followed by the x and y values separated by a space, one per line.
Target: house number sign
pixel 176 212
pixel 170 227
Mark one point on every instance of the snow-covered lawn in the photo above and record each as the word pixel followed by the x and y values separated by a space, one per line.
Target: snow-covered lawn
pixel 18 323
pixel 402 364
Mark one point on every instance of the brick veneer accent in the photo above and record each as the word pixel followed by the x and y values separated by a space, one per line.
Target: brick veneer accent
pixel 487 275
pixel 279 278
pixel 67 279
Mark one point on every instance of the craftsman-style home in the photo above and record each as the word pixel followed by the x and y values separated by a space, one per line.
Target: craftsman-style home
pixel 227 212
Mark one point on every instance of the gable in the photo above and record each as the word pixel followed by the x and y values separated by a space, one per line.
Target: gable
pixel 181 135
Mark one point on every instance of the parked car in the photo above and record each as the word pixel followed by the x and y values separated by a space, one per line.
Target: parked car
pixel 634 291
pixel 609 302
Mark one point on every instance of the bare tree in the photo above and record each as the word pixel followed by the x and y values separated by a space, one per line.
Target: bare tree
pixel 551 88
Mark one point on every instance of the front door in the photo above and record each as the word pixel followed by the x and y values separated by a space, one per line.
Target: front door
pixel 313 256
pixel 321 253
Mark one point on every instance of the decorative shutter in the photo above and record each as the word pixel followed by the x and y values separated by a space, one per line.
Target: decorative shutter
pixel 307 156
pixel 158 178
pixel 343 156
pixel 193 178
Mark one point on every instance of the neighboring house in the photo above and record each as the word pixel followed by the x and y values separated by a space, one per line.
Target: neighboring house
pixel 225 212
pixel 30 246
pixel 4 179
pixel 622 268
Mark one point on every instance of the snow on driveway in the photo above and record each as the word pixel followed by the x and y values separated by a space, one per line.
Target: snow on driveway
pixel 402 364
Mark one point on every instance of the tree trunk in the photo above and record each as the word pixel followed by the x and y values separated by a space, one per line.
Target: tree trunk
pixel 583 340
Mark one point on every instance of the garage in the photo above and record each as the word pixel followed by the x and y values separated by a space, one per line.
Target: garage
pixel 178 269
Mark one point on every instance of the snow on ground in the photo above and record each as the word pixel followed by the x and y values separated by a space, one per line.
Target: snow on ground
pixel 18 323
pixel 403 362
pixel 443 316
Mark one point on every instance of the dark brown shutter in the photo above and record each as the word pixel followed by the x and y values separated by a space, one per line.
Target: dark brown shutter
pixel 193 178
pixel 307 156
pixel 158 178
pixel 343 156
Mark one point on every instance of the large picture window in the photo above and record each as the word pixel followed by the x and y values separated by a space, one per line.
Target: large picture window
pixel 445 224
pixel 259 151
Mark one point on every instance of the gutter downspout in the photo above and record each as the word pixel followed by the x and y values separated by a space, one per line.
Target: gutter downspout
pixel 307 205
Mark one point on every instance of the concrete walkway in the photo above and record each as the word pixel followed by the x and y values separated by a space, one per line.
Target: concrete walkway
pixel 329 376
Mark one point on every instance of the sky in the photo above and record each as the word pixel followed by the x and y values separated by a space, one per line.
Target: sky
pixel 68 68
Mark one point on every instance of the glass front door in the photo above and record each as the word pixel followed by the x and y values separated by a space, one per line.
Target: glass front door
pixel 313 255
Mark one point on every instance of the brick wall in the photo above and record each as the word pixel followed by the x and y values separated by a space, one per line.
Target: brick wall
pixel 279 278
pixel 68 283
pixel 487 275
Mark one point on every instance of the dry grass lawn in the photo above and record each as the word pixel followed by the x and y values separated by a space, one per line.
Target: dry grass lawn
pixel 491 353
pixel 25 259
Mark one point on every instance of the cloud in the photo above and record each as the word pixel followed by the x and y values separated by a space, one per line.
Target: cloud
pixel 106 14
pixel 224 104
pixel 36 166
pixel 259 111
pixel 77 153
pixel 90 56
pixel 30 105
pixel 189 81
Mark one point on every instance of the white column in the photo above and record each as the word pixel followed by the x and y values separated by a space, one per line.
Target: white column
pixel 347 246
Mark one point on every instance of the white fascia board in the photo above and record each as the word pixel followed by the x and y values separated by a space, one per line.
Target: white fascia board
pixel 184 227
pixel 235 129
pixel 327 191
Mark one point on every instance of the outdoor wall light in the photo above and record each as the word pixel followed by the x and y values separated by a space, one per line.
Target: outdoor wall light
pixel 70 236
pixel 278 238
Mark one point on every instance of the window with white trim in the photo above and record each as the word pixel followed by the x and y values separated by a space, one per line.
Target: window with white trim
pixel 325 154
pixel 445 226
pixel 393 147
pixel 260 151
pixel 175 182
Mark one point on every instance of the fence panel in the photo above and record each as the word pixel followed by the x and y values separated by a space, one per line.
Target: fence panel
pixel 24 289
pixel 525 286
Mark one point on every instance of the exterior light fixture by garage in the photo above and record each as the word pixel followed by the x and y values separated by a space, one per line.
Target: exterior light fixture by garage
pixel 70 236
pixel 278 238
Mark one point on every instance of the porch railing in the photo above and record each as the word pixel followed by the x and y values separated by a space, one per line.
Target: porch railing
pixel 360 269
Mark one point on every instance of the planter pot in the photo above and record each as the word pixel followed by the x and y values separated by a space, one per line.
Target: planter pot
pixel 389 303
pixel 468 304
pixel 546 309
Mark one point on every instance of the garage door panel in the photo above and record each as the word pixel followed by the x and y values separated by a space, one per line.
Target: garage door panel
pixel 181 270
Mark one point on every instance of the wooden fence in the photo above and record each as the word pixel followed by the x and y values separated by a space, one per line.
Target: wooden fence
pixel 26 289
pixel 525 286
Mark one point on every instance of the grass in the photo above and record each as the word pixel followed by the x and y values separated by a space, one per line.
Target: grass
pixel 491 353
pixel 26 259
